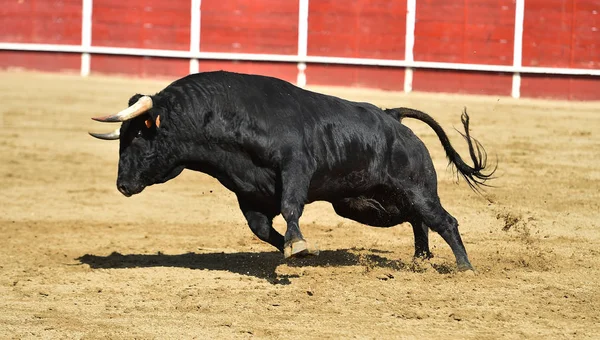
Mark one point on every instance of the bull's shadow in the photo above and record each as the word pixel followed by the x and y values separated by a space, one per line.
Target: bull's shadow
pixel 261 265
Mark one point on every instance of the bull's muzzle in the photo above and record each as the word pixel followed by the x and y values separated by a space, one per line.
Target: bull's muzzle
pixel 128 190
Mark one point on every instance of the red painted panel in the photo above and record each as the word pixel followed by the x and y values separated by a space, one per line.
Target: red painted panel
pixel 562 33
pixel 152 24
pixel 462 82
pixel 585 47
pixel 41 61
pixel 360 28
pixel 140 66
pixel 560 87
pixel 547 33
pixel 386 78
pixel 467 31
pixel 258 26
pixel 283 71
pixel 41 21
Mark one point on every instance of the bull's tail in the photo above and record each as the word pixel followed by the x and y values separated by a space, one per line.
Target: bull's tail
pixel 475 175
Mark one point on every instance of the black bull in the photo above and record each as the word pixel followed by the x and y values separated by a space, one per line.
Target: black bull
pixel 279 147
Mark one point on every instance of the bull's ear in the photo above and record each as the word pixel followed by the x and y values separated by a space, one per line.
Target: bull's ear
pixel 134 99
pixel 149 122
pixel 156 116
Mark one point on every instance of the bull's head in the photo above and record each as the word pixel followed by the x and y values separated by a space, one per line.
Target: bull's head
pixel 146 155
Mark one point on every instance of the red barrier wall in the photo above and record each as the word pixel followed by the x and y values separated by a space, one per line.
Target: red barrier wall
pixel 43 22
pixel 557 33
pixel 265 26
pixel 357 29
pixel 561 33
pixel 153 24
pixel 473 32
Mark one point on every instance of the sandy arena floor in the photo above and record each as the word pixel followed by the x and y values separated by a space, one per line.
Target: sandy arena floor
pixel 79 260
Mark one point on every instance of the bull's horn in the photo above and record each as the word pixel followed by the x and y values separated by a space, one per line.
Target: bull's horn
pixel 142 105
pixel 107 136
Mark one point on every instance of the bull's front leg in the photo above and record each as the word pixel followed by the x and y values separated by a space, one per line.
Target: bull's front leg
pixel 260 221
pixel 295 180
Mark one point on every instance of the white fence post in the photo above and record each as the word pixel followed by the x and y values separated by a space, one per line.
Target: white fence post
pixel 86 35
pixel 195 34
pixel 409 42
pixel 302 41
pixel 518 47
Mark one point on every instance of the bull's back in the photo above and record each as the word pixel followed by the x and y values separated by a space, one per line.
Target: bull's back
pixel 353 146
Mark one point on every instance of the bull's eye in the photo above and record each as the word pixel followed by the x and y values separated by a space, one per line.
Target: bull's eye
pixel 139 134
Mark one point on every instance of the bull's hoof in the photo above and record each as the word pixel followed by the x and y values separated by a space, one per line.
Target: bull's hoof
pixel 467 273
pixel 300 248
pixel 423 255
pixel 465 267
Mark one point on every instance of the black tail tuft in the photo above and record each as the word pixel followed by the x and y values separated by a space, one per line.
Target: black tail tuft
pixel 475 176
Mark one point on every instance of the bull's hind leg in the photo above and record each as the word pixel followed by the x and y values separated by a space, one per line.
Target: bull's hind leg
pixel 261 225
pixel 421 234
pixel 431 212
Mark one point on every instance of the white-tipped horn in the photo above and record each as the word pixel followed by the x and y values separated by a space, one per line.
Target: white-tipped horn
pixel 107 136
pixel 142 105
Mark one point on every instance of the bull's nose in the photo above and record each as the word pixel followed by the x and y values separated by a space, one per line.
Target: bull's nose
pixel 122 189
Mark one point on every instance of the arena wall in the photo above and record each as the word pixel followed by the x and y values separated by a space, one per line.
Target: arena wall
pixel 528 48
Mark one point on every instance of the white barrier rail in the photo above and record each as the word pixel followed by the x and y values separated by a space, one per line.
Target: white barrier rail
pixel 296 59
